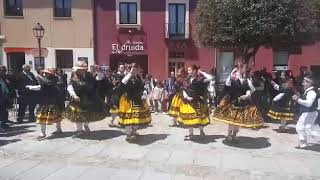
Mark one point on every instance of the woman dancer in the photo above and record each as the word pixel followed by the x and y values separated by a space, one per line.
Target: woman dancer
pixel 235 109
pixel 177 97
pixel 85 105
pixel 49 111
pixel 282 105
pixel 193 111
pixel 133 110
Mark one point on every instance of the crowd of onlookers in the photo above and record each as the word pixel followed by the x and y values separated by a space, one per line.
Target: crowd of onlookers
pixel 25 87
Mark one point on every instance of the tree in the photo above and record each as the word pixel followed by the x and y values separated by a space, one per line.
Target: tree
pixel 246 25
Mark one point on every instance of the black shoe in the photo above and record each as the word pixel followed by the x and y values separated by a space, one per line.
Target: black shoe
pixel 5 126
pixel 19 122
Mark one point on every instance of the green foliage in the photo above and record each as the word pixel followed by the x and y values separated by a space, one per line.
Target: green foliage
pixel 249 24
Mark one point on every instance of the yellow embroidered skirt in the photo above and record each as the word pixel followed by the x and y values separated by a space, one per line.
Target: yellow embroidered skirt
pixel 114 110
pixel 133 115
pixel 276 113
pixel 190 116
pixel 75 114
pixel 248 116
pixel 175 105
pixel 48 114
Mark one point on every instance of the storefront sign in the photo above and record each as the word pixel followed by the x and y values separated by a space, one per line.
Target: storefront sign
pixel 134 46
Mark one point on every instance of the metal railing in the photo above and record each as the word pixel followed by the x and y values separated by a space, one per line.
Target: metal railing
pixel 177 30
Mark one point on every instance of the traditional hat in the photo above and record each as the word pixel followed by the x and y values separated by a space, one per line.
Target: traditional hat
pixel 50 70
pixel 310 79
pixel 80 65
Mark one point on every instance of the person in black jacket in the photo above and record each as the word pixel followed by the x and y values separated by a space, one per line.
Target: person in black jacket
pixel 6 96
pixel 28 87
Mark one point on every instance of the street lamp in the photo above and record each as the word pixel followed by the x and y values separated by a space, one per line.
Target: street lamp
pixel 38 32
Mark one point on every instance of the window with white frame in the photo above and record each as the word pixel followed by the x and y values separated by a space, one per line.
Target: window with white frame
pixel 280 58
pixel 62 8
pixel 128 12
pixel 177 18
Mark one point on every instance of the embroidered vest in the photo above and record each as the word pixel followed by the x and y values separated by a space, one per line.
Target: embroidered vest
pixel 314 106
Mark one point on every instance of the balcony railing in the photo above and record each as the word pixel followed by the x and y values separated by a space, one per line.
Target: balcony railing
pixel 177 30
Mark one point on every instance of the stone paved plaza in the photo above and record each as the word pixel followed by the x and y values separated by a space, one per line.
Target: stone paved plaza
pixel 160 153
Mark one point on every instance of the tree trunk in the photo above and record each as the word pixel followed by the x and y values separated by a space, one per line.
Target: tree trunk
pixel 248 52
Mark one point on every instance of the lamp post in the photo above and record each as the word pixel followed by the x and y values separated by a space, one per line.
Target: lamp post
pixel 38 32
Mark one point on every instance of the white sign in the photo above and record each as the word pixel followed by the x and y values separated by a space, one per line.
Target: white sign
pixel 134 46
pixel 280 68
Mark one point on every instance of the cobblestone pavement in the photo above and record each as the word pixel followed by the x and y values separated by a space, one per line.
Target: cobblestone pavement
pixel 159 153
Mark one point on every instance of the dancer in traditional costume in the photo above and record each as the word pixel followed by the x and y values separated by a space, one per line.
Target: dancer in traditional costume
pixel 177 97
pixel 308 109
pixel 116 94
pixel 85 105
pixel 282 105
pixel 235 109
pixel 133 110
pixel 49 111
pixel 193 111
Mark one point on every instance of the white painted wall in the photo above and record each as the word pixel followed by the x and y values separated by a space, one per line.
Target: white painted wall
pixel 50 60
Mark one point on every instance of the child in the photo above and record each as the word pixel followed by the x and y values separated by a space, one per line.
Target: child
pixel 157 95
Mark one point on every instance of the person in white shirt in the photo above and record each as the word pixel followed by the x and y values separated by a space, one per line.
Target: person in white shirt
pixel 308 109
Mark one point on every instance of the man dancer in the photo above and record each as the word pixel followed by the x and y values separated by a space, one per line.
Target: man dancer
pixel 308 110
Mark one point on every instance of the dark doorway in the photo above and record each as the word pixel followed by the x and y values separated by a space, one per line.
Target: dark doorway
pixel 142 60
pixel 15 61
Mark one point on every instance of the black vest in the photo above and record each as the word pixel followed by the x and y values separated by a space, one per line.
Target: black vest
pixel 314 106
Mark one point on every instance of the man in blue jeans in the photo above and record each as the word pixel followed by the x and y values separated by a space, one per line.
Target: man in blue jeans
pixel 169 86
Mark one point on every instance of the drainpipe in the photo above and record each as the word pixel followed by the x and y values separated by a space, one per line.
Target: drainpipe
pixel 94 30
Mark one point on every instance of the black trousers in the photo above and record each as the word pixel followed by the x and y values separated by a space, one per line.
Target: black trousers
pixel 4 115
pixel 23 104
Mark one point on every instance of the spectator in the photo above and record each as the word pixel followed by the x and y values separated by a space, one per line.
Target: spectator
pixel 169 87
pixel 5 98
pixel 28 87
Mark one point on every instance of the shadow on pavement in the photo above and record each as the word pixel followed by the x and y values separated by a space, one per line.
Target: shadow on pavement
pixel 289 130
pixel 314 147
pixel 249 143
pixel 62 135
pixel 5 142
pixel 17 130
pixel 207 139
pixel 147 139
pixel 102 135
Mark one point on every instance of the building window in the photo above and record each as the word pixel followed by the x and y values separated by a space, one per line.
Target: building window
pixel 62 8
pixel 128 12
pixel 13 8
pixel 64 59
pixel 225 65
pixel 174 67
pixel 176 54
pixel 280 60
pixel 177 16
